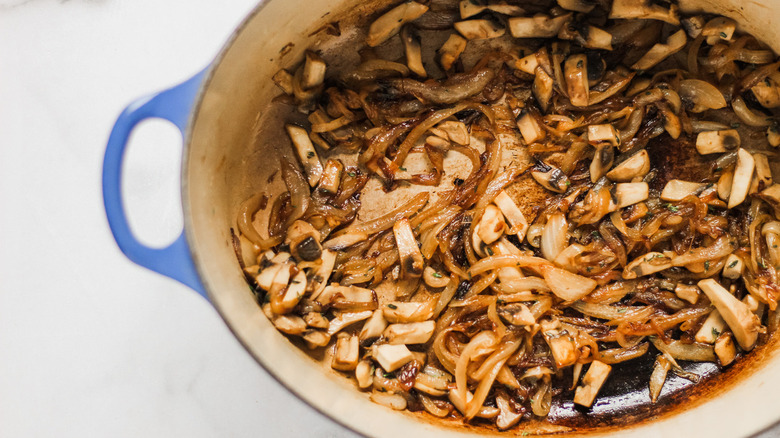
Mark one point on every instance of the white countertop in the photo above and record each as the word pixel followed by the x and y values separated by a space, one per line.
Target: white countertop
pixel 92 345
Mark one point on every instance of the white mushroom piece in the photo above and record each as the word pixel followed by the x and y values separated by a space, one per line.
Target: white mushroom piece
pixel 538 26
pixel 637 165
pixel 551 178
pixel 719 28
pixel 351 298
pixel 733 267
pixel 771 195
pixel 374 326
pixel 763 172
pixel 676 190
pixel 743 176
pixel 687 292
pixel 693 25
pixel 542 87
pixel 480 29
pixel 331 177
pixel 575 70
pixel 313 71
pixel 712 327
pixel 743 323
pixel 307 155
pixel 588 36
pixel 714 142
pixel 346 353
pixel 604 138
pixel 660 51
pixel 591 383
pixel 405 312
pixel 391 357
pixel 469 8
pixel 767 92
pixel 304 241
pixel 725 349
pixel 773 135
pixel 391 22
pixel 413 50
pixel 628 194
pixel 644 9
pixel 529 128
pixel 409 254
pixel 284 80
pixel 450 51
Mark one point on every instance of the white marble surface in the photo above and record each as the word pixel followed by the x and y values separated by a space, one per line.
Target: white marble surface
pixel 90 344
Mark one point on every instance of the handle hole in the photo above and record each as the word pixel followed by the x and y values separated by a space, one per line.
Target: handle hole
pixel 151 182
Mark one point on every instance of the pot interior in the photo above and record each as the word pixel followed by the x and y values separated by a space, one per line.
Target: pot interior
pixel 235 140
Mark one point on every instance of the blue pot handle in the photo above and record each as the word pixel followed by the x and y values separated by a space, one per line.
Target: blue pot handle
pixel 174 105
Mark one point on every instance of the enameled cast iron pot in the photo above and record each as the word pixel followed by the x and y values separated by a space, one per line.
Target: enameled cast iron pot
pixel 230 151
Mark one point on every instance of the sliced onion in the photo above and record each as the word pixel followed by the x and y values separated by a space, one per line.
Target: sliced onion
pixel 748 116
pixel 703 95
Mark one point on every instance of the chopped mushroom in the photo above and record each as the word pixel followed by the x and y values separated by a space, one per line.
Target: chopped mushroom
pixel 542 87
pixel 391 400
pixel 347 353
pixel 508 416
pixel 390 23
pixel 413 51
pixel 719 28
pixel 677 190
pixel 527 64
pixel 491 225
pixel 646 264
pixel 576 72
pixel 561 345
pixel 631 193
pixel 743 323
pixel 517 314
pixel 724 183
pixel 605 133
pixel 288 324
pixel 409 333
pixel 743 175
pixel 313 71
pixel 450 51
pixel 284 80
pixel 316 339
pixel 645 10
pixel 712 142
pixel 767 92
pixel 725 349
pixel 687 292
pixel 733 267
pixel 602 161
pixel 322 273
pixel 391 357
pixel 529 128
pixel 331 176
pixel 304 241
pixel 469 8
pixel 712 327
pixel 480 29
pixel 412 262
pixel 592 381
pixel 538 26
pixel 659 51
pixel 693 25
pixel 638 165
pixel 513 214
pixel 306 153
pixel 316 320
pixel 763 171
pixel 434 278
pixel 551 178
pixel 771 195
pixel 589 36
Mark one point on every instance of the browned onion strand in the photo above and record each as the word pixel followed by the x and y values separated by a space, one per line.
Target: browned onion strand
pixel 536 206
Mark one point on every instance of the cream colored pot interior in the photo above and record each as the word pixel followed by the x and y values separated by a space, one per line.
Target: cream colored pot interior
pixel 233 147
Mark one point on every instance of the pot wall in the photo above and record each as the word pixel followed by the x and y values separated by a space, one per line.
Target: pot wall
pixel 231 152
